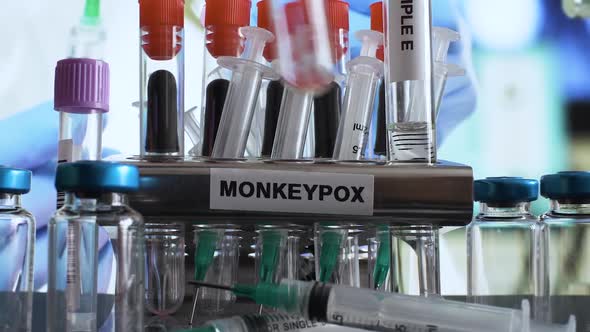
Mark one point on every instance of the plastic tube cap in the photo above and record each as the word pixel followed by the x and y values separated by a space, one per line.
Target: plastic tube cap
pixel 96 177
pixel 159 21
pixel 377 25
pixel 265 21
pixel 81 86
pixel 566 185
pixel 337 13
pixel 443 37
pixel 223 19
pixel 14 180
pixel 505 190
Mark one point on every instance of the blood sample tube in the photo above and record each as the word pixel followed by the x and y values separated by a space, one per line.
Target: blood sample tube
pixel 162 78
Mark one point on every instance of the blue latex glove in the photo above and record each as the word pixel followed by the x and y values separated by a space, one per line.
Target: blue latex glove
pixel 33 136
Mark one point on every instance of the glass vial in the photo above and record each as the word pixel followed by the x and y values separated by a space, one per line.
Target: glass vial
pixel 17 235
pixel 223 19
pixel 501 243
pixel 165 268
pixel 337 254
pixel 81 97
pixel 408 81
pixel 96 197
pixel 566 246
pixel 161 78
pixel 216 258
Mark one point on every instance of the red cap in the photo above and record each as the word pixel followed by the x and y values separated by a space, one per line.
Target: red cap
pixel 265 21
pixel 223 19
pixel 377 25
pixel 158 20
pixel 337 19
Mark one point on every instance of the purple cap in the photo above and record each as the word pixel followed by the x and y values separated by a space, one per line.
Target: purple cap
pixel 81 86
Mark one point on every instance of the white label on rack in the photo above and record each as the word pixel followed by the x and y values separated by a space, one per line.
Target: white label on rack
pixel 289 191
pixel 409 39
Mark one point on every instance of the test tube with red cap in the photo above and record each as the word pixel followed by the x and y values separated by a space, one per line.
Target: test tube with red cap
pixel 328 104
pixel 222 21
pixel 161 78
pixel 409 81
pixel 380 127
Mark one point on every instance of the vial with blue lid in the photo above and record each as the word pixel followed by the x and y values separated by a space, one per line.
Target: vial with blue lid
pixel 566 250
pixel 96 255
pixel 17 239
pixel 501 243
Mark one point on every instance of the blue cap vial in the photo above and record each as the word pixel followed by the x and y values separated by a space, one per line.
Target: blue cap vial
pixel 96 177
pixel 505 190
pixel 14 180
pixel 566 185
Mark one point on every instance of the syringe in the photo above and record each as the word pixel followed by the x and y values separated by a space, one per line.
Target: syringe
pixel 441 41
pixel 389 312
pixel 364 75
pixel 242 96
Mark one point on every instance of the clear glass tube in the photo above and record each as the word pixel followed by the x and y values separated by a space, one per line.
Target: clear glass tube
pixel 217 249
pixel 162 78
pixel 278 253
pixel 222 22
pixel 73 265
pixel 338 254
pixel 80 136
pixel 380 260
pixel 165 268
pixel 498 237
pixel 293 124
pixel 565 234
pixel 409 85
pixel 415 260
pixel 17 235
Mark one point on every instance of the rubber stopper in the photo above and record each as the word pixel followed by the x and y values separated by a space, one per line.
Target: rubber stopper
pixel 223 19
pixel 377 25
pixel 265 21
pixel 160 21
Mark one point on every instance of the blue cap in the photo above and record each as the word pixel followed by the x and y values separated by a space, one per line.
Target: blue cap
pixel 566 185
pixel 96 176
pixel 14 180
pixel 505 190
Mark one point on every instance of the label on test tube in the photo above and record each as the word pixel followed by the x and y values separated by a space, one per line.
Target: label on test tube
pixel 296 192
pixel 408 39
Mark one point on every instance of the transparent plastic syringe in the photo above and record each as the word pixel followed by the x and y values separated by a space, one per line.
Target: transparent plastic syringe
pixel 364 74
pixel 240 104
pixel 390 312
pixel 408 82
pixel 441 41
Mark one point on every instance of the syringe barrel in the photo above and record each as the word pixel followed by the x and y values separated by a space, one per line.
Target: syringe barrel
pixel 292 125
pixel 359 101
pixel 238 110
pixel 410 101
pixel 161 78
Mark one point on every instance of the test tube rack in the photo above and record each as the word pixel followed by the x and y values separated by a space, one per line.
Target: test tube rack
pixel 404 194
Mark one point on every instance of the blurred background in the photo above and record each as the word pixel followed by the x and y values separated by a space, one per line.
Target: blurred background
pixel 521 111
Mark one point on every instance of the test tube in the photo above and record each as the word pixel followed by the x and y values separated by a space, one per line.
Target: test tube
pixel 217 249
pixel 223 19
pixel 161 78
pixel 380 148
pixel 364 75
pixel 242 96
pixel 337 253
pixel 327 105
pixel 81 97
pixel 303 43
pixel 89 35
pixel 165 271
pixel 408 83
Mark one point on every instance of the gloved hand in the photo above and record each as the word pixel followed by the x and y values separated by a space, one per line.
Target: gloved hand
pixel 36 132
